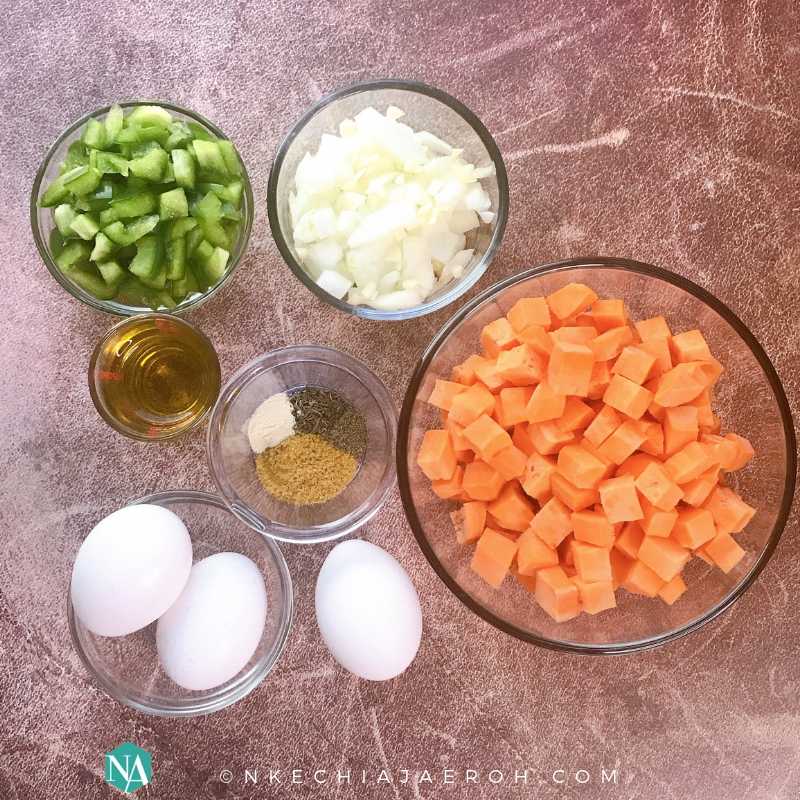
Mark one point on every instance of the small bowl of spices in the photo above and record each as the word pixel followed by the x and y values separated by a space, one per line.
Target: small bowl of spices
pixel 301 444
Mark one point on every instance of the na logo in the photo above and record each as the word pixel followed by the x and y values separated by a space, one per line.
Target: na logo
pixel 128 768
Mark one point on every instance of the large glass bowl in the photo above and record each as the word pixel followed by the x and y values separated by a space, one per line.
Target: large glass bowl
pixel 233 464
pixel 43 225
pixel 427 108
pixel 127 668
pixel 749 397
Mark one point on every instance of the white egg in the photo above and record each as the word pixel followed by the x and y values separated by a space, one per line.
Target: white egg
pixel 130 569
pixel 214 627
pixel 368 611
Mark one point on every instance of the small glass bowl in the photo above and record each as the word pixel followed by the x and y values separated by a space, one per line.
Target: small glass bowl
pixel 43 225
pixel 127 667
pixel 427 108
pixel 750 400
pixel 233 463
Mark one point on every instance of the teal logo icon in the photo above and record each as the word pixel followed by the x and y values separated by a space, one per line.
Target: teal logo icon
pixel 128 768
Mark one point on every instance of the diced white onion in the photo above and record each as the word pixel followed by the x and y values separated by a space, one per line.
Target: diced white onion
pixel 334 283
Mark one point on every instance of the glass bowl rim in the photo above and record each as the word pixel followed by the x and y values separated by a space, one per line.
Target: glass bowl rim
pixel 459 287
pixel 649 271
pixel 335 529
pixel 258 674
pixel 120 309
pixel 100 408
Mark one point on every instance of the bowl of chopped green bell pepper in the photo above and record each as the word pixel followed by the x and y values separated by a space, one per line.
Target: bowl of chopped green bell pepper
pixel 142 205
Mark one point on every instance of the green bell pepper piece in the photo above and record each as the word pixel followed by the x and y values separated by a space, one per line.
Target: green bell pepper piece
pixel 202 253
pixel 193 239
pixel 76 157
pixel 199 132
pixel 135 230
pixel 209 158
pixel 111 163
pixel 112 272
pixel 85 226
pixel 230 157
pixel 135 205
pixel 103 247
pixel 173 205
pixel 183 168
pixel 82 180
pixel 209 208
pixel 150 166
pixel 215 264
pixel 94 134
pixel 113 123
pixel 150 115
pixel 148 263
pixel 63 216
pixel 179 134
pixel 73 254
pixel 180 227
pixel 92 283
pixel 176 259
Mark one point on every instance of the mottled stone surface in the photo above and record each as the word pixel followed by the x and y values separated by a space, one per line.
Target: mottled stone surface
pixel 660 130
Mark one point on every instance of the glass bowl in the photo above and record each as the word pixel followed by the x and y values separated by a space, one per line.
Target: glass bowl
pixel 427 108
pixel 43 225
pixel 750 400
pixel 127 668
pixel 233 464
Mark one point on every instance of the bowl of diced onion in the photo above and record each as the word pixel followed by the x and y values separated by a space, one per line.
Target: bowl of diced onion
pixel 388 199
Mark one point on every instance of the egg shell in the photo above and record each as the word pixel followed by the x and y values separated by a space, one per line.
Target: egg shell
pixel 130 569
pixel 368 611
pixel 214 627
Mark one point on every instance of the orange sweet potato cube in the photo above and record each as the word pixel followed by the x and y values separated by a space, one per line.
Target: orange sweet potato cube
pixel 444 392
pixel 689 346
pixel 635 465
pixel 634 364
pixel 564 551
pixel 467 406
pixel 545 404
pixel 619 499
pixel 688 463
pixel 694 527
pixel 609 313
pixel 640 579
pixel 547 438
pixel 512 508
pixel 465 372
pixel 580 467
pixel 672 590
pixel 723 451
pixel 623 442
pixel 681 426
pixel 570 300
pixel 493 556
pixel 620 566
pixel 536 478
pixel 577 415
pixel 521 366
pixel 569 494
pixel 592 450
pixel 576 334
pixel 680 385
pixel 598 383
pixel 696 492
pixel 570 369
pixel 628 397
pixel 481 482
pixel 496 336
pixel 522 439
pixel 509 462
pixel 487 374
pixel 745 450
pixel 658 488
pixel 731 514
pixel 592 527
pixel 469 521
pixel 552 522
pixel 451 488
pixel 724 551
pixel 537 338
pixel 513 404
pixel 486 437
pixel 657 522
pixel 595 597
pixel 653 443
pixel 436 457
pixel 529 311
pixel 603 425
pixel 556 594
pixel 652 329
pixel 659 349
pixel 630 540
pixel 456 432
pixel 592 563
pixel 609 344
pixel 533 554
pixel 664 556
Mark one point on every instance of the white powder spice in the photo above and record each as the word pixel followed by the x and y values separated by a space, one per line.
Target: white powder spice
pixel 271 423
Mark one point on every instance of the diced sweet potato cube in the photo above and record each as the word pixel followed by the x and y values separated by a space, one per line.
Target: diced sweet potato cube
pixel 664 556
pixel 653 443
pixel 513 404
pixel 527 582
pixel 509 462
pixel 577 415
pixel 620 566
pixel 619 499
pixel 723 451
pixel 598 383
pixel 570 300
pixel 595 597
pixel 456 432
pixel 696 492
pixel 745 450
pixel 467 406
pixel 481 482
pixel 703 556
pixel 680 385
pixel 656 485
pixel 547 438
pixel 609 313
pixel 576 334
pixel 590 448
pixel 537 338
pixel 593 527
pixel 610 343
pixel 731 514
pixel 689 346
pixel 680 427
pixel 493 556
pixel 545 404
pixel 640 579
pixel 529 311
pixel 450 488
pixel 521 366
pixel 710 370
pixel 512 509
pixel 552 522
pixel 603 425
pixel 634 364
pixel 536 478
pixel 570 368
pixel 487 374
pixel 659 349
pixel 569 494
pixel 653 329
pixel 672 590
pixel 688 463
pixel 564 551
pixel 657 522
pixel 444 392
pixel 436 457
pixel 694 527
pixel 522 440
pixel 622 443
pixel 469 521
pixel 556 594
pixel 628 397
pixel 486 436
pixel 580 467
pixel 465 372
pixel 591 562
pixel 654 409
pixel 724 551
pixel 533 554
pixel 496 336
pixel 630 540
pixel 635 465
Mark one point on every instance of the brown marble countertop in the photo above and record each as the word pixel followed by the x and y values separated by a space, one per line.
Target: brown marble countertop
pixel 659 130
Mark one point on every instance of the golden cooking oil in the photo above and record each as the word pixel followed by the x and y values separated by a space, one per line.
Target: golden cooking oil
pixel 154 376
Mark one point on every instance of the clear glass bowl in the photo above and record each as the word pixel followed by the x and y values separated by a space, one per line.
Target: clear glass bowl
pixel 233 463
pixel 127 668
pixel 427 108
pixel 43 225
pixel 749 397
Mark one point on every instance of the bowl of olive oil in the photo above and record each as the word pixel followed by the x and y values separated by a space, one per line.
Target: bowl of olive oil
pixel 154 376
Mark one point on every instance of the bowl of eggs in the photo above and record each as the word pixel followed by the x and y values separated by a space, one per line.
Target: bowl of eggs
pixel 176 607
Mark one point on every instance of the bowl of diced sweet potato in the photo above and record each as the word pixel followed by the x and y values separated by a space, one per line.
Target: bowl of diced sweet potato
pixel 596 456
